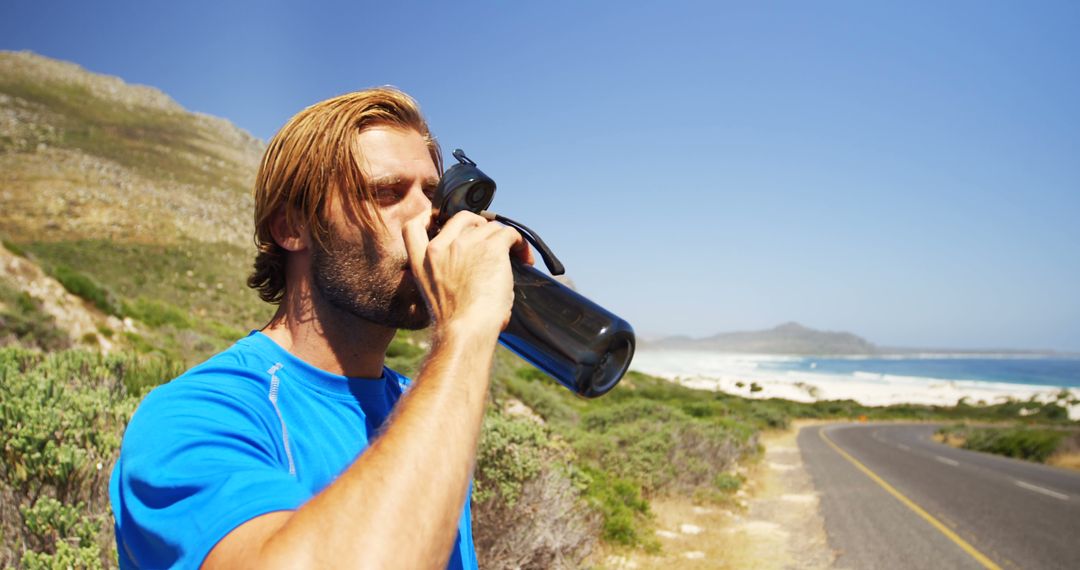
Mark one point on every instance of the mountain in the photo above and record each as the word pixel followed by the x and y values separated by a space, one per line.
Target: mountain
pixel 139 207
pixel 87 155
pixel 788 338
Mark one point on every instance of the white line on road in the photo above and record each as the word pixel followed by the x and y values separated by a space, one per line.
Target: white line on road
pixel 904 447
pixel 947 461
pixel 1038 489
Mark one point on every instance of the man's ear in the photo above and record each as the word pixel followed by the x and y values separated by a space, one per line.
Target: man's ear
pixel 291 237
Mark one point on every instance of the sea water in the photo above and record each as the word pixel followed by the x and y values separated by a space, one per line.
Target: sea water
pixel 1011 369
pixel 984 369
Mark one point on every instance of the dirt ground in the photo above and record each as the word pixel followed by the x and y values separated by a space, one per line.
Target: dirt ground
pixel 774 524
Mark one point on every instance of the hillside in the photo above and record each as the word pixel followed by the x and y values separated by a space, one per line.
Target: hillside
pixel 142 207
pixel 788 338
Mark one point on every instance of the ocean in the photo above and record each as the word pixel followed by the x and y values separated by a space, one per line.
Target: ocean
pixel 1031 371
pixel 1019 371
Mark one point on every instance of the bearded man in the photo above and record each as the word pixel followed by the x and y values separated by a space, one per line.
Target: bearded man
pixel 296 447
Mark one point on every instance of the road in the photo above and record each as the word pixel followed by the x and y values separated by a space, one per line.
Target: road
pixel 947 507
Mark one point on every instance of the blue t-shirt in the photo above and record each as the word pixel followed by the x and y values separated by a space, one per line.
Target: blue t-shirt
pixel 251 431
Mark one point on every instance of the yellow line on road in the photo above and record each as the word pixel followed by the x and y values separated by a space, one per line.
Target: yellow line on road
pixel 963 544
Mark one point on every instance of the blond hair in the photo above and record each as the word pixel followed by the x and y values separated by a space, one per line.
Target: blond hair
pixel 313 158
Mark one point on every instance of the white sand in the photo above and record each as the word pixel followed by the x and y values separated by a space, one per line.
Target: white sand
pixel 725 372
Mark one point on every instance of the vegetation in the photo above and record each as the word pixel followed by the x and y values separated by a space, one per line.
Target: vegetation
pixel 583 470
pixel 62 416
pixel 187 298
pixel 83 286
pixel 205 281
pixel 1029 442
pixel 23 322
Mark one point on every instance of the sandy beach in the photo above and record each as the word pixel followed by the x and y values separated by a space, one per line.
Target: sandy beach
pixel 738 373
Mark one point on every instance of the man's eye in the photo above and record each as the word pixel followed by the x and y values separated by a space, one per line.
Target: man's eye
pixel 387 195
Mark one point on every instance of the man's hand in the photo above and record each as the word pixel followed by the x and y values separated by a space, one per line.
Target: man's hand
pixel 464 272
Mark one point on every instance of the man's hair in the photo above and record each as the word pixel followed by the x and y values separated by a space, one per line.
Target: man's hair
pixel 315 157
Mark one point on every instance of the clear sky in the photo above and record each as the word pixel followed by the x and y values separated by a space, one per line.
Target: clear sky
pixel 907 171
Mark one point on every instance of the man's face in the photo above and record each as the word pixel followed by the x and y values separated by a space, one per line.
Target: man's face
pixel 366 272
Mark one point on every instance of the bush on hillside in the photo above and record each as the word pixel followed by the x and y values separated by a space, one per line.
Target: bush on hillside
pixel 81 285
pixel 24 322
pixel 660 447
pixel 156 313
pixel 1030 443
pixel 528 508
pixel 62 416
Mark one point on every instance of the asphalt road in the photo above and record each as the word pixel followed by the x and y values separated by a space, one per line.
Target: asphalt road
pixel 999 511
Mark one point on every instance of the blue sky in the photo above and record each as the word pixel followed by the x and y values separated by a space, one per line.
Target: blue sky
pixel 909 172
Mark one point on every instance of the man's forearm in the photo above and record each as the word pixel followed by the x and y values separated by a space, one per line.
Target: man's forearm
pixel 399 503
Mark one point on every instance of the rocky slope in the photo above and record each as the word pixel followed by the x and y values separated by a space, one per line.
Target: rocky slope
pixel 84 155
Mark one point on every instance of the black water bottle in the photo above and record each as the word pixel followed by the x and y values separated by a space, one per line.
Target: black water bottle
pixel 575 341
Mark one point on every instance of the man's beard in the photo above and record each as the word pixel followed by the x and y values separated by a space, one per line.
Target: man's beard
pixel 362 280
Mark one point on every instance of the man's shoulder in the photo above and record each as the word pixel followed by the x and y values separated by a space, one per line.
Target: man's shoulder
pixel 238 375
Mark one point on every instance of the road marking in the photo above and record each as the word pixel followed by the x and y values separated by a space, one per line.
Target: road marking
pixel 904 447
pixel 963 544
pixel 947 461
pixel 1043 490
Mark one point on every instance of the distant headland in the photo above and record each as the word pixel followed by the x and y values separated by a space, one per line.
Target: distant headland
pixel 795 339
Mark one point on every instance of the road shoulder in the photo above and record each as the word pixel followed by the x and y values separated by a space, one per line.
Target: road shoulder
pixel 774 524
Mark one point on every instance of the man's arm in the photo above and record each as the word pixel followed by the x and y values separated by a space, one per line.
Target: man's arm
pixel 398 504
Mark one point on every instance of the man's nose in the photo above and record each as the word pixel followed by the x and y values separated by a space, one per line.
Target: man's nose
pixel 418 202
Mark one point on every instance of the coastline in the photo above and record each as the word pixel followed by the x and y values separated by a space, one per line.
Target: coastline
pixel 725 372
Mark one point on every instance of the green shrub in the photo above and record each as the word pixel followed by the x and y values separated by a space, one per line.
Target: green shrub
pixel 729 482
pixel 402 348
pixel 62 416
pixel 625 511
pixel 13 247
pixel 660 447
pixel 24 322
pixel 1033 444
pixel 66 557
pixel 528 508
pixel 83 286
pixel 404 355
pixel 510 452
pixel 157 313
pixel 160 272
pixel 224 332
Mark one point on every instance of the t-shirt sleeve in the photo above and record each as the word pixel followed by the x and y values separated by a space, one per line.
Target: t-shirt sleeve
pixel 196 463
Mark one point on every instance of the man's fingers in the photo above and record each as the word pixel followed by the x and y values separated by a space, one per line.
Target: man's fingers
pixel 514 241
pixel 459 223
pixel 507 237
pixel 522 251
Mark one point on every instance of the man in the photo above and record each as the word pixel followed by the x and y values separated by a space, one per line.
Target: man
pixel 291 449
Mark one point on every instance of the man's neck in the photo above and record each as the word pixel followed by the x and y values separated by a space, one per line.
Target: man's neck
pixel 328 338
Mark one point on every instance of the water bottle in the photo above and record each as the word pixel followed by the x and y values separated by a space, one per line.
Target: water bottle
pixel 572 339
